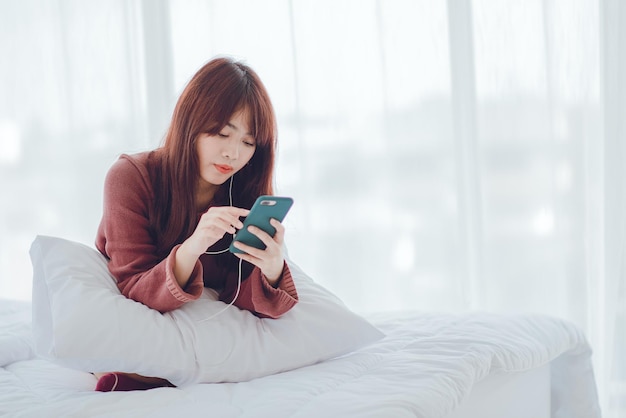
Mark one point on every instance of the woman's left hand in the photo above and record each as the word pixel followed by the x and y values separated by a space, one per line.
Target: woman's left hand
pixel 271 259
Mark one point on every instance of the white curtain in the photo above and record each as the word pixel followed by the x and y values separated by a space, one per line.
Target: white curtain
pixel 443 155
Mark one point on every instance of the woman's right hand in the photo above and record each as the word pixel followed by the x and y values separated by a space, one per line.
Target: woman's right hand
pixel 213 224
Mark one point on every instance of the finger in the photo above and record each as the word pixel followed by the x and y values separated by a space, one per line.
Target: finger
pixel 262 235
pixel 245 256
pixel 231 209
pixel 218 225
pixel 249 250
pixel 250 259
pixel 280 231
pixel 228 211
pixel 234 221
pixel 230 215
pixel 237 212
pixel 223 219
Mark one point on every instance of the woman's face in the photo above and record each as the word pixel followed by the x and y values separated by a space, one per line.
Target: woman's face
pixel 221 156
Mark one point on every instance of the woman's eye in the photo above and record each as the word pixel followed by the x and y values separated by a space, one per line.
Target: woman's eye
pixel 223 135
pixel 248 143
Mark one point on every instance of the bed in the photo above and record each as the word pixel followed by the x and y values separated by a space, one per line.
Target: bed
pixel 424 364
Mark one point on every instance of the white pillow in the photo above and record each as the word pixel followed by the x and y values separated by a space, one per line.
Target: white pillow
pixel 81 320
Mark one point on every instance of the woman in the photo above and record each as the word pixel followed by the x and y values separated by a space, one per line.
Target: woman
pixel 169 214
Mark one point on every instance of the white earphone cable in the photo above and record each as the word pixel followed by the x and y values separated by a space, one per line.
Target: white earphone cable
pixel 230 199
pixel 232 301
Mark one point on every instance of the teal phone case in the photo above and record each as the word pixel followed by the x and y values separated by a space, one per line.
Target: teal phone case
pixel 264 209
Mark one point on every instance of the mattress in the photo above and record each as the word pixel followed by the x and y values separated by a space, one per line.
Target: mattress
pixel 512 395
pixel 429 365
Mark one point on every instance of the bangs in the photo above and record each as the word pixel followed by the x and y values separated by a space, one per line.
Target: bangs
pixel 215 117
pixel 260 119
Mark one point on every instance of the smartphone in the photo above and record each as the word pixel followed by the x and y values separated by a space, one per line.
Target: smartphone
pixel 264 209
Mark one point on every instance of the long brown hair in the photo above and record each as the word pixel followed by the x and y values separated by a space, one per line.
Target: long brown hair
pixel 218 90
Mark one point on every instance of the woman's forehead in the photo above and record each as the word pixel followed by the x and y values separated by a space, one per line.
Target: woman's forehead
pixel 241 120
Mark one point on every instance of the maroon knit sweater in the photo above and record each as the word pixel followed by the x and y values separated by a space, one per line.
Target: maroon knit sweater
pixel 126 238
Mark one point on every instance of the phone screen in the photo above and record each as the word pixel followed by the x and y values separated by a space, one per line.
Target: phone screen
pixel 264 209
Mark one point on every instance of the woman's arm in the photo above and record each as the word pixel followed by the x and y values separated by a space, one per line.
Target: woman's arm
pixel 125 237
pixel 269 291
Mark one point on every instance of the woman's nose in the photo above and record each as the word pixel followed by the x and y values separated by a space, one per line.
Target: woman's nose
pixel 231 149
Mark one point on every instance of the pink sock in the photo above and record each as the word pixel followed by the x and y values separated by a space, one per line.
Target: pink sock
pixel 119 382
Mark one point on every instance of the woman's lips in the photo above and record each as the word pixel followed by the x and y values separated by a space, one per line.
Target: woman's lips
pixel 224 169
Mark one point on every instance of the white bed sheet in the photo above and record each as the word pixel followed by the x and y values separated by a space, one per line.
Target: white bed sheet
pixel 428 366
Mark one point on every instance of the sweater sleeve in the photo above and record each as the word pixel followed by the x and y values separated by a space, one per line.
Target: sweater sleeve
pixel 125 238
pixel 259 297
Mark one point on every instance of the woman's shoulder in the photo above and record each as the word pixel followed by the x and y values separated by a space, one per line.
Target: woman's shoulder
pixel 133 169
pixel 140 163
